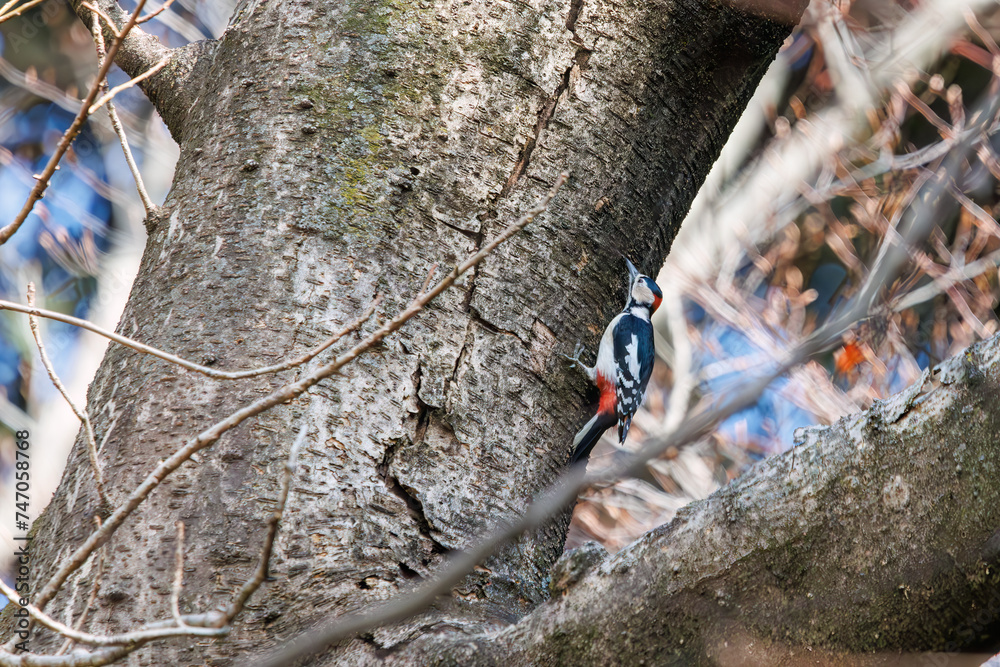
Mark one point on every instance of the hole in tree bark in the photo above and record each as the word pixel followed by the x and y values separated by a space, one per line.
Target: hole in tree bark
pixel 408 572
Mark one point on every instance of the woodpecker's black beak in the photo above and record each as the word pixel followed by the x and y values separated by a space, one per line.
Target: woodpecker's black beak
pixel 633 272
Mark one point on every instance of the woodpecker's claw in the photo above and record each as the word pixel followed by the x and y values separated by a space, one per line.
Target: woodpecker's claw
pixel 578 349
pixel 589 371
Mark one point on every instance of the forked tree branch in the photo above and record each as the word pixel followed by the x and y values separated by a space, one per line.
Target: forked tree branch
pixel 42 179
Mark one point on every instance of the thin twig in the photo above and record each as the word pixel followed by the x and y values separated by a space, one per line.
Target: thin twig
pixel 17 11
pixel 260 574
pixel 947 281
pixel 112 28
pixel 91 599
pixel 154 14
pixel 145 634
pixel 175 590
pixel 42 182
pixel 190 365
pixel 430 276
pixel 924 110
pixel 119 129
pixel 981 33
pixel 107 97
pixel 80 413
pixel 283 394
pixel 984 220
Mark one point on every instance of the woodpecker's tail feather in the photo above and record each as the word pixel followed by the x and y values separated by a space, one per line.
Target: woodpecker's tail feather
pixel 590 434
pixel 623 426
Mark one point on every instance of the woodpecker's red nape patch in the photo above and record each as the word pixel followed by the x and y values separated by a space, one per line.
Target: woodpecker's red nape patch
pixel 657 300
pixel 608 397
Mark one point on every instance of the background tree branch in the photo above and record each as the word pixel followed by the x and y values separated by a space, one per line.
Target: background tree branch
pixel 170 89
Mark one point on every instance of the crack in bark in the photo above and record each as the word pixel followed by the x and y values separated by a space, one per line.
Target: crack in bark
pixel 548 109
pixel 478 318
pixel 416 510
pixel 379 650
pixel 459 359
pixel 423 418
pixel 414 507
pixel 575 7
pixel 477 237
pixel 477 242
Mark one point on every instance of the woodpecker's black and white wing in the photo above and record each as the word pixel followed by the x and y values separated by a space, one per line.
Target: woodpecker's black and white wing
pixel 633 338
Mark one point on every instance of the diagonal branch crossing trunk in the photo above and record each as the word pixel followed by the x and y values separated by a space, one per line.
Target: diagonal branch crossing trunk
pixel 333 151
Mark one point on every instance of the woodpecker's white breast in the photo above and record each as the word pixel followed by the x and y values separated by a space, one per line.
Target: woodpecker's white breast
pixel 640 311
pixel 605 364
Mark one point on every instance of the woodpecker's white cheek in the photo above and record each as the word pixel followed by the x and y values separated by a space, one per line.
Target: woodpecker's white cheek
pixel 641 292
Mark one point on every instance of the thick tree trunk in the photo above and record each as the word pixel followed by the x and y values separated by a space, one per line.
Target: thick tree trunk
pixel 331 151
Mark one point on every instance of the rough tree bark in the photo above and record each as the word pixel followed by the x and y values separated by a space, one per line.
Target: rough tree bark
pixel 878 534
pixel 333 151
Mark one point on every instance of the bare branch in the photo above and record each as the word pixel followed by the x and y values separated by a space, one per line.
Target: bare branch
pixel 260 575
pixel 70 134
pixel 80 413
pixel 116 123
pixel 17 11
pixel 190 365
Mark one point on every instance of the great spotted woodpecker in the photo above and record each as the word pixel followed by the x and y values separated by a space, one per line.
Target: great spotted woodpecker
pixel 624 364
